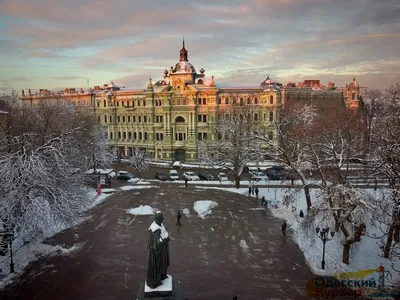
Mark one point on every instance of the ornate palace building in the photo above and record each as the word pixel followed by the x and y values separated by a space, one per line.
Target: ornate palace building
pixel 172 115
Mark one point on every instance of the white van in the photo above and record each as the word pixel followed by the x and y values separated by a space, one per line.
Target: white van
pixel 173 175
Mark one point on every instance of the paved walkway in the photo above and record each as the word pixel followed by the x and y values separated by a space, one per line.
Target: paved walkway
pixel 234 251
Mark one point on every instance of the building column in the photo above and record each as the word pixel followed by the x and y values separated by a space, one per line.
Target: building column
pixel 126 151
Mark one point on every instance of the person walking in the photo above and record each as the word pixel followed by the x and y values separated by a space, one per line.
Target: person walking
pixel 249 191
pixel 186 182
pixel 301 213
pixel 257 192
pixel 284 228
pixel 178 218
pixel 262 200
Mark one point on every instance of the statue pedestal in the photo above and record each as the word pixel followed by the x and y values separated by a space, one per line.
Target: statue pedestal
pixel 169 290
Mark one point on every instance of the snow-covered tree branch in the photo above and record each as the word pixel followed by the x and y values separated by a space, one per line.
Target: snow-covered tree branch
pixel 139 161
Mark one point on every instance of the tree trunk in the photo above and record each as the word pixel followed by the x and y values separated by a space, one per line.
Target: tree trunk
pixel 139 175
pixel 346 253
pixel 237 181
pixel 388 245
pixel 308 197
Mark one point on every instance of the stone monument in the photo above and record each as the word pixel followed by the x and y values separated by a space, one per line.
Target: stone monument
pixel 158 285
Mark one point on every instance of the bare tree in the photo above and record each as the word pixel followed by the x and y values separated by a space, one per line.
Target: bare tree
pixel 139 161
pixel 234 145
pixel 38 159
pixel 294 136
pixel 384 159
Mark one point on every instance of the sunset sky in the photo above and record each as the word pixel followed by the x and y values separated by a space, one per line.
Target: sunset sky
pixel 62 43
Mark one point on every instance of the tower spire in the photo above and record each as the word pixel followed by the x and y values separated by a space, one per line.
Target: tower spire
pixel 183 53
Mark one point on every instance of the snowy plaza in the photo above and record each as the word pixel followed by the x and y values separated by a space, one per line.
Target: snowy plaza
pixel 228 245
pixel 231 248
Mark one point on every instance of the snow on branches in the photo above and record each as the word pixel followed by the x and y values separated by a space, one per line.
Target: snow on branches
pixel 234 145
pixel 139 160
pixel 42 151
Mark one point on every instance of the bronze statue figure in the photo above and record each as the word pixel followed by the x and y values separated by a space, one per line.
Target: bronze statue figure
pixel 158 252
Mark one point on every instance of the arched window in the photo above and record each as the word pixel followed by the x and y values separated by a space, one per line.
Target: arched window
pixel 248 101
pixel 353 96
pixel 271 116
pixel 144 102
pixel 241 102
pixel 227 100
pixel 255 101
pixel 271 99
pixel 117 103
pixel 180 119
pixel 138 103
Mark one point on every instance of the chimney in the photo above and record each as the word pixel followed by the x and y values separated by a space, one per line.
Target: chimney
pixel 23 93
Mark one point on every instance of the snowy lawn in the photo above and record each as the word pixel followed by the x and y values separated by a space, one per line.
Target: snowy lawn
pixel 204 207
pixel 364 255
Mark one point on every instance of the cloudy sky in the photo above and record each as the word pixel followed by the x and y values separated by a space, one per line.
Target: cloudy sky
pixel 58 43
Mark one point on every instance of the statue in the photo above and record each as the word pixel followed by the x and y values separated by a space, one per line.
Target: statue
pixel 158 252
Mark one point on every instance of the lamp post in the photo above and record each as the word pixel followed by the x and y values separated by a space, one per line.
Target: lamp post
pixel 323 234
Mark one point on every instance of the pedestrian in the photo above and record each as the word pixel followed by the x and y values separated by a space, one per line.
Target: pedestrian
pixel 249 190
pixel 301 213
pixel 262 200
pixel 178 217
pixel 284 228
pixel 376 184
pixel 292 181
pixel 186 181
pixel 257 192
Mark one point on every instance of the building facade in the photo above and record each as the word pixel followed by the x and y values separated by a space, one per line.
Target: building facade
pixel 171 116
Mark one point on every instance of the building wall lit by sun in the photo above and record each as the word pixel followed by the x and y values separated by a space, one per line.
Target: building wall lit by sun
pixel 172 115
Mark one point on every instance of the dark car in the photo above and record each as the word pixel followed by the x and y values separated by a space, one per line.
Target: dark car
pixel 206 176
pixel 275 173
pixel 161 176
pixel 123 175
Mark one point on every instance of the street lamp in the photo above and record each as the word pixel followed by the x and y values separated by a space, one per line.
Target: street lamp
pixel 324 236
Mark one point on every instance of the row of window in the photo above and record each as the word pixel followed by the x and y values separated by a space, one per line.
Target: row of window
pixel 200 101
pixel 124 119
pixel 179 136
pixel 127 103
pixel 159 118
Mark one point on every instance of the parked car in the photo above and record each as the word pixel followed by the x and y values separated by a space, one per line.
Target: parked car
pixel 173 175
pixel 259 176
pixel 191 176
pixel 222 177
pixel 161 176
pixel 124 175
pixel 206 176
pixel 177 165
pixel 276 173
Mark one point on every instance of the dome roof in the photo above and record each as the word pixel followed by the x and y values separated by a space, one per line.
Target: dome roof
pixel 183 67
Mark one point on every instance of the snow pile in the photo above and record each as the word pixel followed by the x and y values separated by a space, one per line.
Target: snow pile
pixel 136 187
pixel 142 210
pixel 134 180
pixel 204 207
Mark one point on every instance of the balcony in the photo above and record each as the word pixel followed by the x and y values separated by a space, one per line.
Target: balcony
pixel 158 125
pixel 202 124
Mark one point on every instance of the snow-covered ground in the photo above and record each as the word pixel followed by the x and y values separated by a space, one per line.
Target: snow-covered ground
pixel 204 207
pixel 364 255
